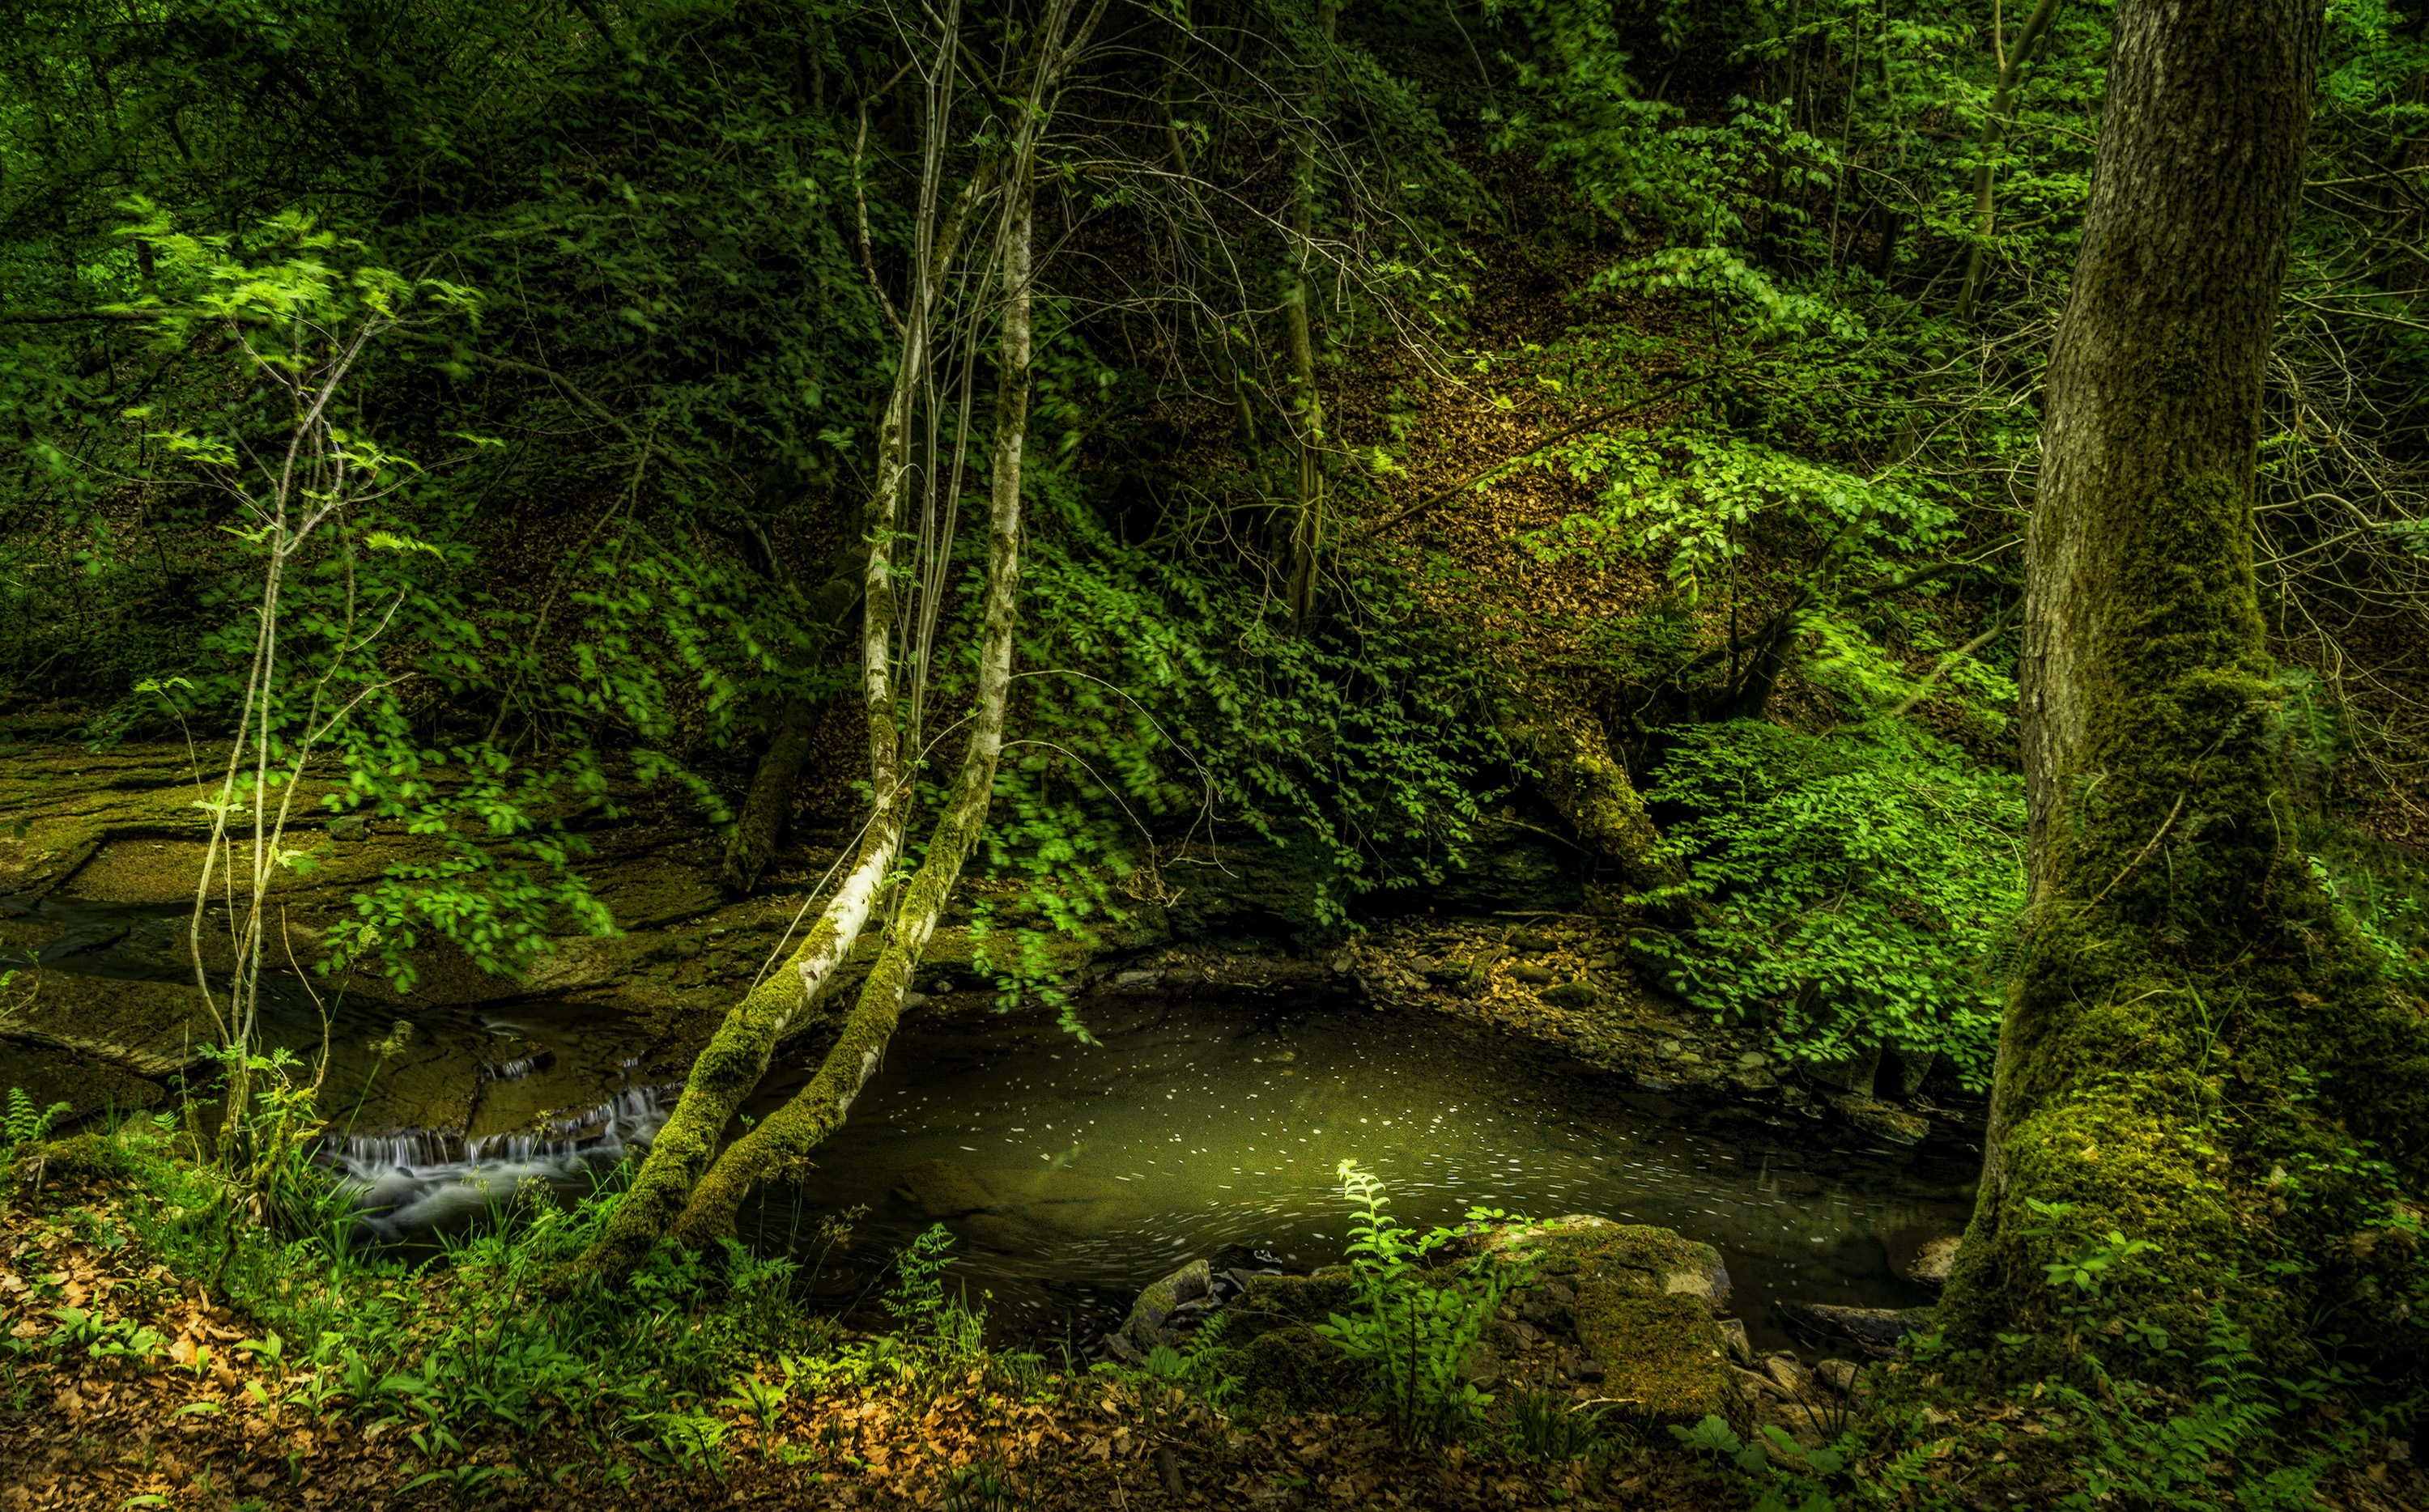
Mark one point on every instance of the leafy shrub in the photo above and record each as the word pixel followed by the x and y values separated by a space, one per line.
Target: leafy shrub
pixel 1851 887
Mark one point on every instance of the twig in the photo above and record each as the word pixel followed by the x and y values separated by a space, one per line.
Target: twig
pixel 1946 661
pixel 860 198
pixel 2144 854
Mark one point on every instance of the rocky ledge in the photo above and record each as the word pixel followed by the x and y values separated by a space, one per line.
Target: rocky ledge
pixel 1631 1319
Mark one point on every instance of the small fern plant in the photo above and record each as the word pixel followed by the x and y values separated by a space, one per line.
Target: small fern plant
pixel 1410 1331
pixel 25 1124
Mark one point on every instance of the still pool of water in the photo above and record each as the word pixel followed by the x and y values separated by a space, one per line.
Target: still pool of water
pixel 1071 1175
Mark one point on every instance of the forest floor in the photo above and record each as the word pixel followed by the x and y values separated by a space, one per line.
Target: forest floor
pixel 129 1385
pixel 175 1401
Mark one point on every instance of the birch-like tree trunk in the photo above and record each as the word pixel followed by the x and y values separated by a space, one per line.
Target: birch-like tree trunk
pixel 738 1056
pixel 687 1187
pixel 781 1141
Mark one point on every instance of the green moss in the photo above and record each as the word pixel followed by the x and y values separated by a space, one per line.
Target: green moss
pixel 2190 1014
pixel 1663 1360
pixel 70 1161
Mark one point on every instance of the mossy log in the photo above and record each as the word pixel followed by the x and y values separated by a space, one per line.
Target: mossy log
pixel 1569 754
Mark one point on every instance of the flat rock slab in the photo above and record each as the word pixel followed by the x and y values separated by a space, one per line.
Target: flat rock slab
pixel 87 1086
pixel 148 1027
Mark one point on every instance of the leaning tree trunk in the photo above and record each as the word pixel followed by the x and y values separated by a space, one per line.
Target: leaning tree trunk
pixel 738 1055
pixel 2175 937
pixel 781 1141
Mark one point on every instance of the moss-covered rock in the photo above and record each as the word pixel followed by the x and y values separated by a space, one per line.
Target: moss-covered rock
pixel 1650 1259
pixel 1663 1358
pixel 1647 1306
pixel 69 1163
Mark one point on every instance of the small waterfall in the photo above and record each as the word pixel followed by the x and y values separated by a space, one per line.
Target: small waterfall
pixel 513 1070
pixel 406 1180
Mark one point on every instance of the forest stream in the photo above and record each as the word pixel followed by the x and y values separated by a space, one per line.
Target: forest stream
pixel 1073 1174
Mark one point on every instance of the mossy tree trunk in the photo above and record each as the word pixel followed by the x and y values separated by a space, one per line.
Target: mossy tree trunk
pixel 783 1142
pixel 687 1187
pixel 2191 1024
pixel 738 1056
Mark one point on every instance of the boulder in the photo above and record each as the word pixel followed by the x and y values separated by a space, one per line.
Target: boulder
pixel 1658 1260
pixel 1646 1307
pixel 1925 1254
pixel 1733 1334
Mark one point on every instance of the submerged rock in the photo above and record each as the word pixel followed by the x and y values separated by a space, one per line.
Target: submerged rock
pixel 945 1188
pixel 1878 1331
pixel 1878 1118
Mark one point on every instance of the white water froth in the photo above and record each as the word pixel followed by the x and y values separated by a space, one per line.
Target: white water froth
pixel 410 1180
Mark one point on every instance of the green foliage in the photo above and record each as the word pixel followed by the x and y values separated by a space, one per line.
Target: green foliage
pixel 24 1122
pixel 1854 885
pixel 1699 503
pixel 1412 1329
pixel 1793 1482
pixel 1155 699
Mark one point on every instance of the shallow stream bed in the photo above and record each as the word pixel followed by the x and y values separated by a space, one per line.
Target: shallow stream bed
pixel 1071 1175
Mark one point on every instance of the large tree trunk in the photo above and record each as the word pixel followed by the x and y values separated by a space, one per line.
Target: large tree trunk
pixel 2174 933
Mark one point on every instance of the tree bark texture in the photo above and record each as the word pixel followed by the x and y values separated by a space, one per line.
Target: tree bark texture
pixel 781 1141
pixel 2183 979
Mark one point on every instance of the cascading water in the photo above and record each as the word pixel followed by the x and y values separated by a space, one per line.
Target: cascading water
pixel 404 1182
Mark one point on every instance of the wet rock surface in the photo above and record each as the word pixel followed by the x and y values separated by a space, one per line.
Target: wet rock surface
pixel 1877 1332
